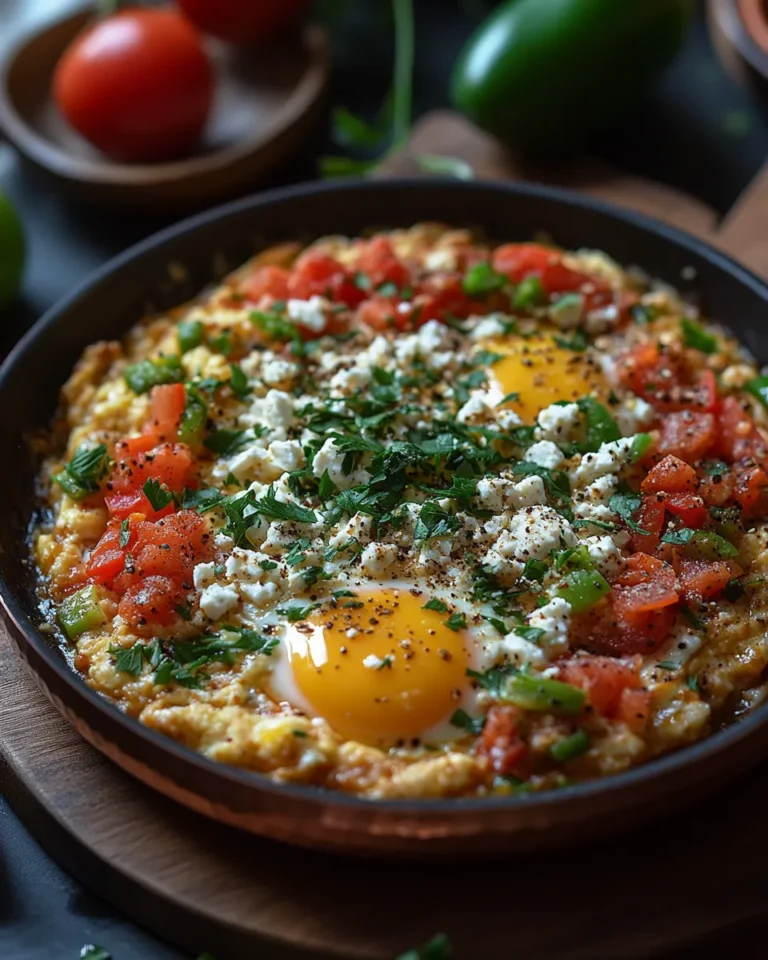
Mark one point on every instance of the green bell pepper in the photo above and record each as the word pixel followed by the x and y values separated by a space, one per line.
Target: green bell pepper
pixel 530 293
pixel 570 747
pixel 758 387
pixel 81 612
pixel 194 418
pixel 538 693
pixel 145 374
pixel 583 588
pixel 542 74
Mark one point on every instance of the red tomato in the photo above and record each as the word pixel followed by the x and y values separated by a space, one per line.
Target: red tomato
pixel 107 559
pixel 688 435
pixel 241 21
pixel 150 602
pixel 379 313
pixel 168 463
pixel 501 740
pixel 740 438
pixel 441 295
pixel 650 517
pixel 317 274
pixel 267 281
pixel 688 507
pixel 670 475
pixel 137 84
pixel 603 679
pixel 658 376
pixel 168 403
pixel 377 260
pixel 634 709
pixel 173 546
pixel 604 630
pixel 751 488
pixel 521 260
pixel 703 580
pixel 647 585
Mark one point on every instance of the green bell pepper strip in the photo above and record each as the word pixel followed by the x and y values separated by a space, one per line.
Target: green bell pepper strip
pixel 758 387
pixel 544 74
pixel 583 588
pixel 641 444
pixel 529 293
pixel 540 694
pixel 708 545
pixel 194 418
pixel 570 747
pixel 145 374
pixel 81 612
pixel 190 334
pixel 482 279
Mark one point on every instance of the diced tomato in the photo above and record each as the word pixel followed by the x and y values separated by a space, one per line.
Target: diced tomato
pixel 167 407
pixel 171 464
pixel 270 281
pixel 751 490
pixel 716 489
pixel 151 602
pixel 173 546
pixel 604 630
pixel 604 679
pixel 439 296
pixel 739 437
pixel 377 260
pixel 660 378
pixel 688 507
pixel 688 435
pixel 702 579
pixel 379 313
pixel 647 585
pixel 521 260
pixel 317 274
pixel 132 446
pixel 501 740
pixel 634 709
pixel 107 561
pixel 650 517
pixel 670 475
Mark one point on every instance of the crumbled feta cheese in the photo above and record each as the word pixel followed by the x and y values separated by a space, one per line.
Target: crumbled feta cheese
pixel 274 411
pixel 203 574
pixel 567 311
pixel 216 600
pixel 431 336
pixel 308 313
pixel 377 559
pixel 610 458
pixel 278 371
pixel 606 555
pixel 435 552
pixel 602 318
pixel 535 532
pixel 286 455
pixel 330 458
pixel 545 454
pixel 372 662
pixel 499 493
pixel 259 594
pixel 349 382
pixel 554 618
pixel 358 527
pixel 476 409
pixel 486 328
pixel 529 492
pixel 557 422
pixel 593 503
pixel 444 258
pixel 222 542
pixel 634 414
pixel 507 419
pixel 521 652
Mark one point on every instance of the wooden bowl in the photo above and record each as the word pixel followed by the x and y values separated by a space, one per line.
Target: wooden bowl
pixel 739 32
pixel 266 100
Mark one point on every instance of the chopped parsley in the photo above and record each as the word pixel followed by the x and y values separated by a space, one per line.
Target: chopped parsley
pixel 83 474
pixel 460 718
pixel 238 382
pixel 157 493
pixel 626 504
pixel 456 621
pixel 435 604
pixel 225 442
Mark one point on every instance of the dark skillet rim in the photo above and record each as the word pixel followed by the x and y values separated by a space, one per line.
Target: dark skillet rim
pixel 617 783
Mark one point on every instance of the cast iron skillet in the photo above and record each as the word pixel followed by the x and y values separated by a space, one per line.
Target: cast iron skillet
pixel 146 278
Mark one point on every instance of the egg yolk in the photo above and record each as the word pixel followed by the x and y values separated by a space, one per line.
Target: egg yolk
pixel 541 373
pixel 381 669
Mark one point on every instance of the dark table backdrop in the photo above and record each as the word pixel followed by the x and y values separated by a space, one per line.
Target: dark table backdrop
pixel 696 131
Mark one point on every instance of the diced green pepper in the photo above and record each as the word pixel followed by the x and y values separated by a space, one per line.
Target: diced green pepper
pixel 190 334
pixel 81 612
pixel 194 418
pixel 570 747
pixel 641 444
pixel 583 588
pixel 567 310
pixel 694 335
pixel 708 545
pixel 758 387
pixel 538 693
pixel 145 374
pixel 728 520
pixel 482 279
pixel 529 293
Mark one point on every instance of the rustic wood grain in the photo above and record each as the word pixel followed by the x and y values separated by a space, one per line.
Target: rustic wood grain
pixel 207 886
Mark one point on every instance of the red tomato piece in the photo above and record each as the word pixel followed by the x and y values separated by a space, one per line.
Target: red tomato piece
pixel 658 376
pixel 267 281
pixel 441 295
pixel 173 546
pixel 717 489
pixel 168 403
pixel 702 579
pixel 603 679
pixel 739 437
pixel 751 490
pixel 377 260
pixel 138 84
pixel 501 740
pixel 379 313
pixel 688 435
pixel 688 507
pixel 670 475
pixel 521 260
pixel 634 709
pixel 647 585
pixel 150 602
pixel 317 274
pixel 650 516
pixel 171 464
pixel 603 630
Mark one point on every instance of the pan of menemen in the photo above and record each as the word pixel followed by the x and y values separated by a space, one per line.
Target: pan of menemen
pixel 413 515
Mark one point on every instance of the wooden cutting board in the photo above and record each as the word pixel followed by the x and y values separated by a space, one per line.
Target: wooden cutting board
pixel 206 887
